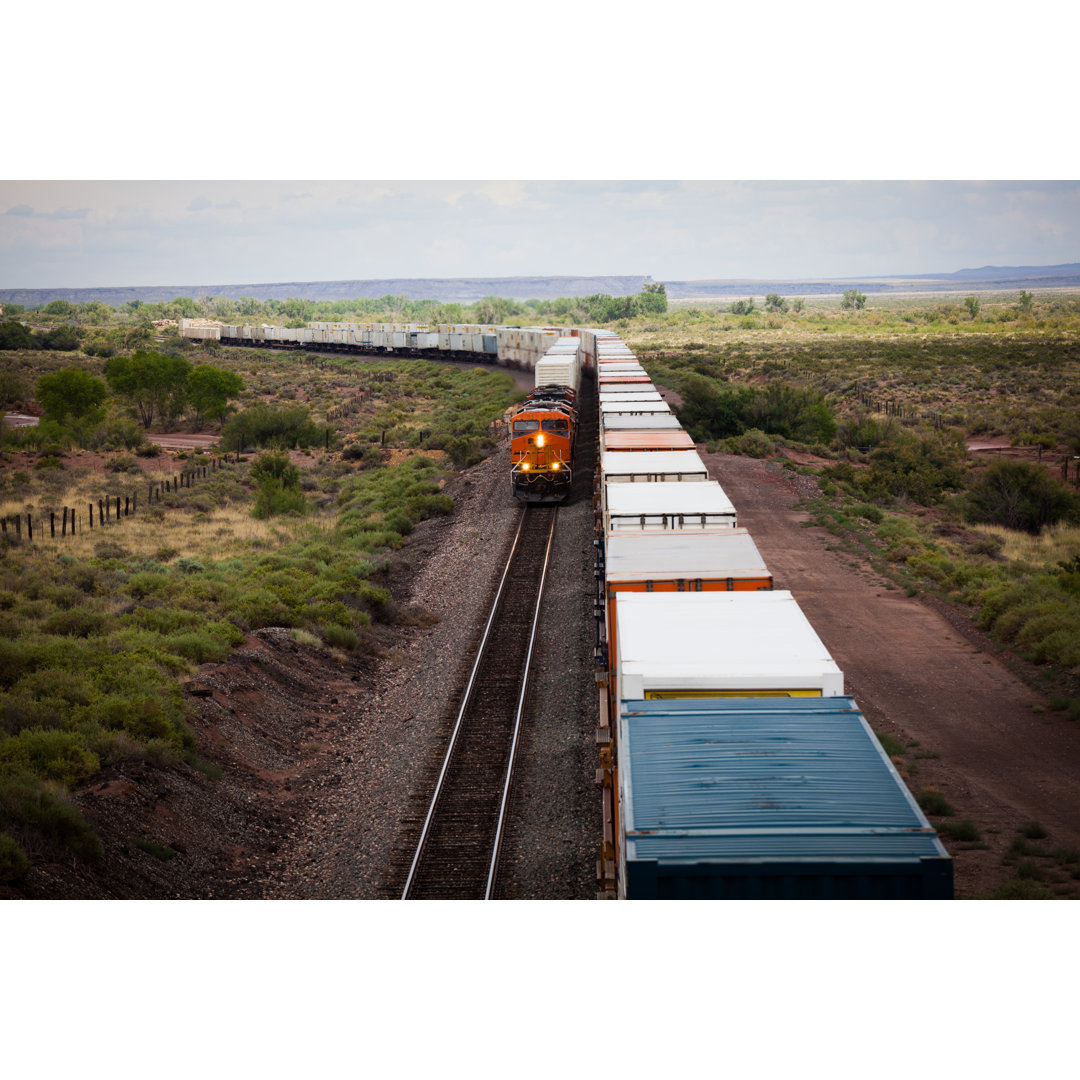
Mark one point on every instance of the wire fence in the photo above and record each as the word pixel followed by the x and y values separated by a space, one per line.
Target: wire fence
pixel 109 510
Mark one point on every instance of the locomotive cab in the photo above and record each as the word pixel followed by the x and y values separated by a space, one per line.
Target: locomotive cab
pixel 541 450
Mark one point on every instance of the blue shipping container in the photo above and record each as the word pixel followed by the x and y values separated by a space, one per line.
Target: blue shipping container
pixel 768 798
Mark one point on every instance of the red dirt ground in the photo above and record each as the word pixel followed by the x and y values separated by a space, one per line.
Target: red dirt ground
pixel 922 673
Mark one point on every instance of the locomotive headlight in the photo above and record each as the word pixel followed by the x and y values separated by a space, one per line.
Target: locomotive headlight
pixel 540 440
pixel 524 466
pixel 555 466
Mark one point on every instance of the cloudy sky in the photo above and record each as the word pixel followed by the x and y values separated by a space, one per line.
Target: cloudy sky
pixel 81 234
pixel 928 139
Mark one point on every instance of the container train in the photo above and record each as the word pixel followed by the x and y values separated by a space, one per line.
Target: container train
pixel 733 765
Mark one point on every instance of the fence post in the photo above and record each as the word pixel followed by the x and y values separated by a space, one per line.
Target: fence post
pixel 29 528
pixel 18 527
pixel 118 509
pixel 101 514
pixel 91 516
pixel 52 524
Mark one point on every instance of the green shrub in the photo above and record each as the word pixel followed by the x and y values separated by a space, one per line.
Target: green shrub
pixel 1019 495
pixel 276 466
pixel 892 746
pixel 867 511
pixel 341 637
pixel 25 801
pixel 56 755
pixel 960 830
pixel 1033 830
pixel 933 802
pixel 14 865
pixel 159 851
pixel 274 499
pixel 1019 889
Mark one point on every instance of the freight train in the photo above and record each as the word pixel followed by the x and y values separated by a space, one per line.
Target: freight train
pixel 733 765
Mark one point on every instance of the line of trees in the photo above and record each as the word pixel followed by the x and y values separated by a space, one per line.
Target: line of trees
pixel 389 308
pixel 155 386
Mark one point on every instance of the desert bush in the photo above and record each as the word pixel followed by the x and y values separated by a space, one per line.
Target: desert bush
pixel 27 803
pixel 14 864
pixel 933 802
pixel 1019 495
pixel 274 499
pixel 269 426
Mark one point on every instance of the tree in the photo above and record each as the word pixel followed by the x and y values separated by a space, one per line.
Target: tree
pixel 1019 495
pixel 61 338
pixel 70 392
pixel 224 308
pixel 1027 301
pixel 775 302
pixel 853 299
pixel 209 389
pixel 798 303
pixel 153 384
pixel 743 307
pixel 973 304
pixel 652 300
pixel 13 335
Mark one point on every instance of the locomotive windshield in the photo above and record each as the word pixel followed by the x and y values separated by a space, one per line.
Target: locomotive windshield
pixel 521 427
pixel 558 424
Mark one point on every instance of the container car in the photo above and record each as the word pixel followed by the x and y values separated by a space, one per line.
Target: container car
pixel 759 799
pixel 660 506
pixel 719 644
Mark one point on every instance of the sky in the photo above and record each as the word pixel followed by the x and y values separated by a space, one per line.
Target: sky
pixel 82 234
pixel 824 141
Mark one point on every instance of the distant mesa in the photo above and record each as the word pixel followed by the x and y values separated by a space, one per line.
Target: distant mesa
pixel 469 290
pixel 445 290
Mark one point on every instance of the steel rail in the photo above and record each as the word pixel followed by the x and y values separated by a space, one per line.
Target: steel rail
pixel 518 714
pixel 462 710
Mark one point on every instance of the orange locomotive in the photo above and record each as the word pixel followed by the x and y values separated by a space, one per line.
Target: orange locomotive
pixel 543 429
pixel 542 444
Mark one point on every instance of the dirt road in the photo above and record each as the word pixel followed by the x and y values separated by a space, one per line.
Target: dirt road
pixel 1003 760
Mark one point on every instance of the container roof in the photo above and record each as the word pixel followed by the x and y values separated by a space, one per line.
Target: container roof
pixel 710 555
pixel 647 441
pixel 650 421
pixel 645 407
pixel 719 641
pixel 757 779
pixel 623 463
pixel 668 497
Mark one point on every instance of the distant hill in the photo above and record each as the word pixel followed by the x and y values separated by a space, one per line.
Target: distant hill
pixel 986 278
pixel 446 290
pixel 467 290
pixel 1009 273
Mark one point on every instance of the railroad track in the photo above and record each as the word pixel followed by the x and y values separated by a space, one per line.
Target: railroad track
pixel 456 857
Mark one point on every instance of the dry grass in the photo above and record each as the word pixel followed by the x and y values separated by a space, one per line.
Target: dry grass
pixel 1054 545
pixel 178 524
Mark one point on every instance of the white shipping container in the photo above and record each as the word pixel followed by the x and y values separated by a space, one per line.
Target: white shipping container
pixel 639 422
pixel 708 557
pixel 658 506
pixel 646 466
pixel 633 408
pixel 556 371
pixel 710 644
pixel 631 396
